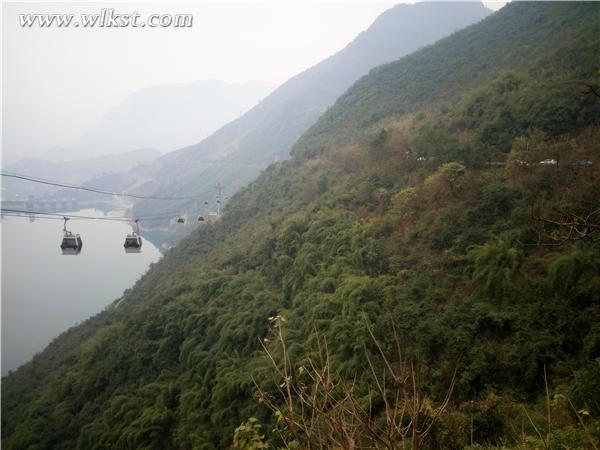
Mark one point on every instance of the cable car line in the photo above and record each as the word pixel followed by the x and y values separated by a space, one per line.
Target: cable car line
pixel 30 217
pixel 84 188
pixel 24 213
pixel 72 243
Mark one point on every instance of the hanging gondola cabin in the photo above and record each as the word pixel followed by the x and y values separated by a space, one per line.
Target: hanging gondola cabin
pixel 133 243
pixel 71 244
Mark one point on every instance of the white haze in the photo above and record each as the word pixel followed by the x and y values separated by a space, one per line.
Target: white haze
pixel 58 83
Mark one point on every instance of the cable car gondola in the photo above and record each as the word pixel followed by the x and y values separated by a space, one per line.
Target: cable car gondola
pixel 133 241
pixel 71 243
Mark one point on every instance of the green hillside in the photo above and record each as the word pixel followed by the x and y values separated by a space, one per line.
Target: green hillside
pixel 435 234
pixel 529 49
pixel 237 153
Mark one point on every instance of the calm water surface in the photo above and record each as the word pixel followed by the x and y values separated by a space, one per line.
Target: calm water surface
pixel 44 293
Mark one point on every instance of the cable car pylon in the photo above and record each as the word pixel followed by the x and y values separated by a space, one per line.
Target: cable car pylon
pixel 219 189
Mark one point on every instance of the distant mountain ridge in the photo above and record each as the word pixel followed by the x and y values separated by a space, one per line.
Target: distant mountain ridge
pixel 236 153
pixel 165 117
pixel 171 116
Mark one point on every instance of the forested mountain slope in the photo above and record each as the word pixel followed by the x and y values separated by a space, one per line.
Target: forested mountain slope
pixel 235 154
pixel 461 219
pixel 522 48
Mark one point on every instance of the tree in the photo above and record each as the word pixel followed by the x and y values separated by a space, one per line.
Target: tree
pixel 494 265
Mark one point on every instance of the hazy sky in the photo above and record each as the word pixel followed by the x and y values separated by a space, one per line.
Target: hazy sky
pixel 58 82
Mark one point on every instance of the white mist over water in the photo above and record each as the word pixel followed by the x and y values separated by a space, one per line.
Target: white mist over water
pixel 44 292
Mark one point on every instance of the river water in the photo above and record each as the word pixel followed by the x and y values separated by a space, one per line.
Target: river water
pixel 44 292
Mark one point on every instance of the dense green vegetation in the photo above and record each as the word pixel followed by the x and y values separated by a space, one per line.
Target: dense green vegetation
pixel 519 54
pixel 237 153
pixel 417 204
